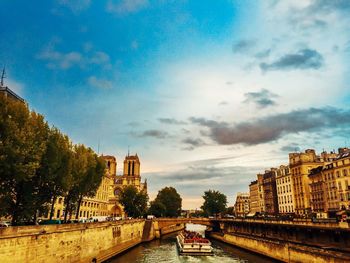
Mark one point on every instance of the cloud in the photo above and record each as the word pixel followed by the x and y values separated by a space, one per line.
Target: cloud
pixel 193 143
pixel 243 46
pixel 263 54
pixel 99 58
pixel 171 121
pixel 125 7
pixel 75 6
pixel 262 99
pixel 56 59
pixel 303 59
pixel 328 6
pixel 154 133
pixel 293 147
pixel 223 103
pixel 193 179
pixel 100 83
pixel 273 127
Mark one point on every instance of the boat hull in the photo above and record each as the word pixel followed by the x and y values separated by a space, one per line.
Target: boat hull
pixel 193 249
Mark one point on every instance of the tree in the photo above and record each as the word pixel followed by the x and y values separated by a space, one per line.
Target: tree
pixel 57 166
pixel 92 179
pixel 214 203
pixel 157 209
pixel 38 163
pixel 22 144
pixel 171 200
pixel 87 172
pixel 133 201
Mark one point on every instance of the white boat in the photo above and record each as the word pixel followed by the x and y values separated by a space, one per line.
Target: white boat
pixel 192 244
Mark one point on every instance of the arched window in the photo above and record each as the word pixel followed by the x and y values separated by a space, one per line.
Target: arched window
pixel 117 192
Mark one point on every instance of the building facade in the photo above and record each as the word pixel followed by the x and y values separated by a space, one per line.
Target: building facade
pixel 242 204
pixel 261 193
pixel 254 198
pixel 270 191
pixel 317 191
pixel 301 165
pixel 106 200
pixel 285 192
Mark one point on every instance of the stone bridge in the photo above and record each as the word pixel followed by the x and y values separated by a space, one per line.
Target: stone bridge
pixel 165 222
pixel 167 225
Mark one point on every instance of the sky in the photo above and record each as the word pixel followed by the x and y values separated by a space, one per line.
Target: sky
pixel 207 93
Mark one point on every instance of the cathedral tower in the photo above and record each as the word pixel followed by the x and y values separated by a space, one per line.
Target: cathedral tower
pixel 132 166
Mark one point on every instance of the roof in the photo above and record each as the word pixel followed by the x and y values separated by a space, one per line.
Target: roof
pixel 8 91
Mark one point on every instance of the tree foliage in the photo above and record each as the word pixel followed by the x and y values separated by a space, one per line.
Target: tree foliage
pixel 168 201
pixel 39 163
pixel 157 209
pixel 214 203
pixel 133 201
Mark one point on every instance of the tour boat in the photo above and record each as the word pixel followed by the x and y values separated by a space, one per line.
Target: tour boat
pixel 193 244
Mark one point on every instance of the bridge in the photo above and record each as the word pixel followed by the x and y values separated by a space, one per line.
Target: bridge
pixel 166 222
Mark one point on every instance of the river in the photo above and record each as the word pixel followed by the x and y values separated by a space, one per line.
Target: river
pixel 165 250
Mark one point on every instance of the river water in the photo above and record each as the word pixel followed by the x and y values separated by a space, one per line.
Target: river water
pixel 165 250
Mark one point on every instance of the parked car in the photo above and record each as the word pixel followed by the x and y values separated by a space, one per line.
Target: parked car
pixel 150 216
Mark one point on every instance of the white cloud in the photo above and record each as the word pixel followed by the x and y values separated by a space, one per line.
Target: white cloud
pixel 100 83
pixel 124 7
pixel 56 59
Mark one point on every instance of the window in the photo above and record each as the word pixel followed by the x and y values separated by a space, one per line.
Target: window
pixel 58 213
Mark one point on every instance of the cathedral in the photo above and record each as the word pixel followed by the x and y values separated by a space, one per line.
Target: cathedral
pixel 106 200
pixel 131 176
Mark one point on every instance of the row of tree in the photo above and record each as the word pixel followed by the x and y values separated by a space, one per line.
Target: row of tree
pixel 38 163
pixel 168 203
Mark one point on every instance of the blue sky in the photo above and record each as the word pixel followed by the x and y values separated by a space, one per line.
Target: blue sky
pixel 208 93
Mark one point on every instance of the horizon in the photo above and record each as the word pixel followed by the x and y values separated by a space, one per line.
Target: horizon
pixel 207 94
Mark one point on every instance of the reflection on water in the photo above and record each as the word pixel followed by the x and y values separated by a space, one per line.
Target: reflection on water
pixel 165 250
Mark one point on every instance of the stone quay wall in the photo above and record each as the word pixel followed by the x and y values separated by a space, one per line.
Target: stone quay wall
pixel 89 242
pixel 282 250
pixel 84 242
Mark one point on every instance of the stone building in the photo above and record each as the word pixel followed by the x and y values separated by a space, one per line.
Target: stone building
pixel 342 177
pixel 131 176
pixel 106 200
pixel 300 165
pixel 261 193
pixel 270 192
pixel 242 204
pixel 285 192
pixel 8 93
pixel 317 191
pixel 329 185
pixel 254 200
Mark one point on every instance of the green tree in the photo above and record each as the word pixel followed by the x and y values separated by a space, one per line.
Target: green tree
pixel 171 200
pixel 87 172
pixel 56 168
pixel 214 203
pixel 92 179
pixel 157 209
pixel 133 201
pixel 22 145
